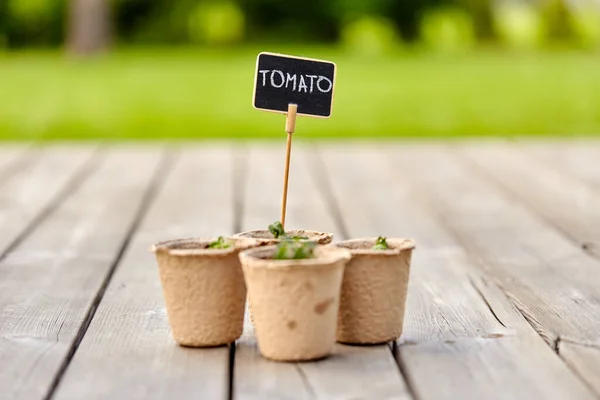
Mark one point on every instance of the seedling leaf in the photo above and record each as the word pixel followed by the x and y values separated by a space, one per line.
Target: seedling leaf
pixel 298 237
pixel 289 249
pixel 220 243
pixel 276 229
pixel 381 244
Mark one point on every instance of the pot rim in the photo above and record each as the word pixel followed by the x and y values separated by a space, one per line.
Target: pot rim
pixel 317 235
pixel 169 246
pixel 399 245
pixel 325 256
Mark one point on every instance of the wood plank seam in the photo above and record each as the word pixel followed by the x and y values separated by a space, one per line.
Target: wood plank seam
pixel 485 300
pixel 531 320
pixel 403 369
pixel 564 184
pixel 553 343
pixel 463 355
pixel 589 248
pixel 322 179
pixel 557 345
pixel 71 186
pixel 67 242
pixel 128 350
pixel 310 389
pixel 551 339
pixel 548 337
pixel 160 173
pixel 545 161
pixel 512 194
pixel 572 366
pixel 475 169
pixel 240 171
pixel 239 161
pixel 569 347
pixel 564 339
pixel 231 372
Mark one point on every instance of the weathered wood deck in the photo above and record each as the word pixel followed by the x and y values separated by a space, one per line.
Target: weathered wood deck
pixel 504 299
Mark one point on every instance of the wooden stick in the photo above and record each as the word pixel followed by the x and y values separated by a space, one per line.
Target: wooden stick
pixel 290 121
pixel 290 127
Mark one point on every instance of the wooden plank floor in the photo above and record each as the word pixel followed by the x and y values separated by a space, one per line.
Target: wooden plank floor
pixel 504 298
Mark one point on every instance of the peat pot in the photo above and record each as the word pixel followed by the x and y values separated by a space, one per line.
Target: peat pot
pixel 204 290
pixel 374 291
pixel 295 302
pixel 264 237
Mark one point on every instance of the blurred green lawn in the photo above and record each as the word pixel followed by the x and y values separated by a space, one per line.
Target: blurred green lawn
pixel 189 94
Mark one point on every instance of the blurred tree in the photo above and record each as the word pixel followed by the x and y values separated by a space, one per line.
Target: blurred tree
pixel 556 17
pixel 355 9
pixel 480 12
pixel 310 20
pixel 447 29
pixel 370 35
pixel 89 26
pixel 140 20
pixel 407 14
pixel 584 20
pixel 216 23
pixel 3 22
pixel 32 22
pixel 519 24
pixel 154 21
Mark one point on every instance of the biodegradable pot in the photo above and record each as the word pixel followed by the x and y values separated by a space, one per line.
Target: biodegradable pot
pixel 374 291
pixel 295 302
pixel 265 235
pixel 204 290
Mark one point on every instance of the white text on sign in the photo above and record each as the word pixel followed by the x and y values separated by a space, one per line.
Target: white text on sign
pixel 297 83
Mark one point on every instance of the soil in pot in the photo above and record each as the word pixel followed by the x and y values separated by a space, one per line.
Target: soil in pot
pixel 295 302
pixel 374 290
pixel 275 234
pixel 204 290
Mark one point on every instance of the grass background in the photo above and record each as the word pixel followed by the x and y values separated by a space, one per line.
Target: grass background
pixel 198 94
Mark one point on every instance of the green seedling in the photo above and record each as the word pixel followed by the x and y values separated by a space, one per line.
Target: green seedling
pixel 381 244
pixel 293 249
pixel 276 229
pixel 298 237
pixel 220 243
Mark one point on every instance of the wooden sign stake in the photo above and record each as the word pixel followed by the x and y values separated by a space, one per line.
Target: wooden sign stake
pixel 290 127
pixel 282 83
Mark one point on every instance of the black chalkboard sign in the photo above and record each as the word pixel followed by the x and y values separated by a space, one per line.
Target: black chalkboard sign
pixel 282 79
